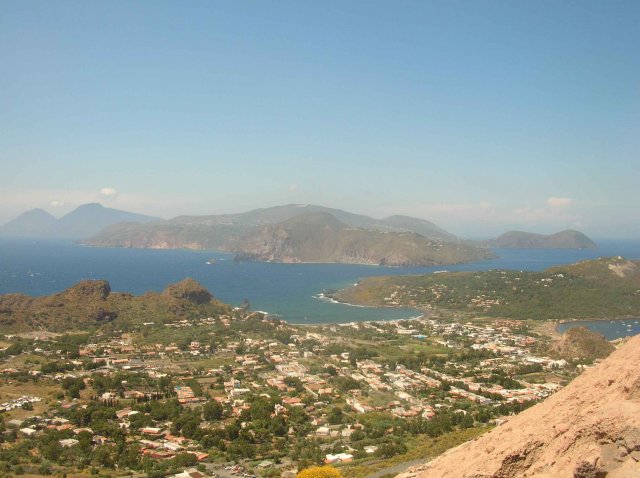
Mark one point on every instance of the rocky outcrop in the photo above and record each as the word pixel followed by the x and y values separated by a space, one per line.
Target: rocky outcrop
pixel 591 428
pixel 88 290
pixel 188 289
pixel 582 343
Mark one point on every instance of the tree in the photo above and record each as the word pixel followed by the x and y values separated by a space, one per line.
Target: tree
pixel 388 450
pixel 212 411
pixel 183 460
pixel 45 468
pixel 335 416
pixel 320 472
pixel 103 456
pixel 73 386
pixel 295 383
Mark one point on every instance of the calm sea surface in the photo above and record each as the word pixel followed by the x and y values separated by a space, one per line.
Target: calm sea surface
pixel 611 329
pixel 289 290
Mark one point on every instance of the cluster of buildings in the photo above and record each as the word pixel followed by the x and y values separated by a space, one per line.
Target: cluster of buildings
pixel 301 372
pixel 19 402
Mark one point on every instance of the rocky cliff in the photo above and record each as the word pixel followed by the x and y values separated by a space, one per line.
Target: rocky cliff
pixel 589 429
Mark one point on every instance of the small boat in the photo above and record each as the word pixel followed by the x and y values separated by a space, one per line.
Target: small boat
pixel 210 262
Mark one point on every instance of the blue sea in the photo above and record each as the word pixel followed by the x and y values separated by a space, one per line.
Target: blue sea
pixel 611 329
pixel 291 291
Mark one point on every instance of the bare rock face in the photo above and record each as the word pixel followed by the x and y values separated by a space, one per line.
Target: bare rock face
pixel 189 289
pixel 590 429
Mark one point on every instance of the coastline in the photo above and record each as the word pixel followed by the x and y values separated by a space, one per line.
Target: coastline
pixel 332 300
pixel 598 319
pixel 549 328
pixel 242 256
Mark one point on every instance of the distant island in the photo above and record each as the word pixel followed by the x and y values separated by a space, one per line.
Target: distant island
pixel 292 233
pixel 569 239
pixel 601 288
pixel 301 233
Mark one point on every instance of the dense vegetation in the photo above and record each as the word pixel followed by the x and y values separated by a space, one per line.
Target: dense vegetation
pixel 91 304
pixel 592 289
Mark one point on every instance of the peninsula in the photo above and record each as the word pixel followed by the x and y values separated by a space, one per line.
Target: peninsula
pixel 601 288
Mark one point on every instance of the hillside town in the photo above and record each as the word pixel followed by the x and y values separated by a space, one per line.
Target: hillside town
pixel 248 394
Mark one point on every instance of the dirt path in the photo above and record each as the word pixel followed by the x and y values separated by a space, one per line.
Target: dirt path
pixel 396 469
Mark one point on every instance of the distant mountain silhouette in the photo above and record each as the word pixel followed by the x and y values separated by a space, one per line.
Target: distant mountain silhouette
pixel 35 222
pixel 84 221
pixel 89 219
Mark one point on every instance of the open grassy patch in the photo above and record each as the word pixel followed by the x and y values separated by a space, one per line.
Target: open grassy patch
pixel 420 448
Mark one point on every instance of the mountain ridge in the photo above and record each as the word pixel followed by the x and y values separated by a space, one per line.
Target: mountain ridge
pixel 276 214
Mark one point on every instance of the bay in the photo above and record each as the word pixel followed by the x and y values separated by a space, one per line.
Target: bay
pixel 611 329
pixel 37 267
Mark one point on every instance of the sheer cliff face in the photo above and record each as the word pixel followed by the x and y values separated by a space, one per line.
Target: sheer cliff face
pixel 591 428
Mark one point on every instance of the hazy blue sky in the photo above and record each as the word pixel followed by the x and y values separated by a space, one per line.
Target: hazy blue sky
pixel 478 115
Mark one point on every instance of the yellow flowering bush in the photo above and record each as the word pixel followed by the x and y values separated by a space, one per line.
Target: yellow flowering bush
pixel 320 472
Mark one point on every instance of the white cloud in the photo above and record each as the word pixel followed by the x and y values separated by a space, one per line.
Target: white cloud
pixel 558 202
pixel 108 192
pixel 487 218
pixel 294 188
pixel 555 211
pixel 55 203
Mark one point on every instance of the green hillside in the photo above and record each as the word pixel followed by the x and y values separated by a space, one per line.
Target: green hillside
pixel 90 305
pixel 607 287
